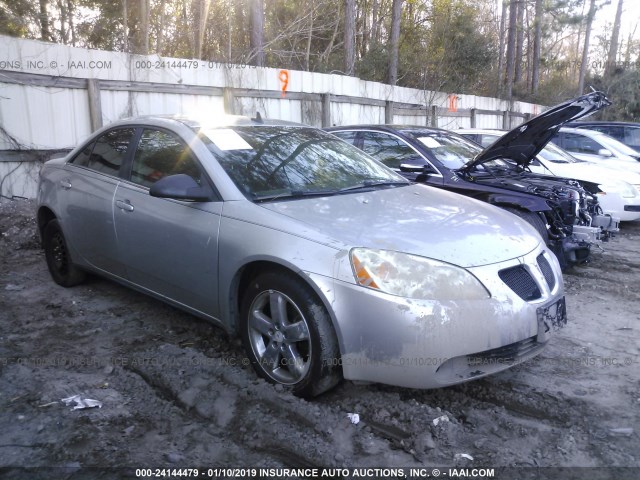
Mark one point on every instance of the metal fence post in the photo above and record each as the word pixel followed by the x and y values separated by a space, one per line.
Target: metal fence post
pixel 326 109
pixel 95 103
pixel 388 112
pixel 229 101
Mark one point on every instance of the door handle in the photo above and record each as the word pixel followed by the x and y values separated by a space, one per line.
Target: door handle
pixel 124 205
pixel 66 184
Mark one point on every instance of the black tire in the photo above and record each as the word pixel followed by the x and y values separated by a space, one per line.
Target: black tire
pixel 297 347
pixel 56 251
pixel 534 219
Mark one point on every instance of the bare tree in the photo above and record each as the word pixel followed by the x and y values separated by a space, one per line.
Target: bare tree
pixel 585 50
pixel 610 67
pixel 537 41
pixel 201 10
pixel 511 47
pixel 517 75
pixel 349 36
pixel 45 33
pixel 161 23
pixel 503 18
pixel 257 32
pixel 394 41
pixel 125 24
pixel 307 53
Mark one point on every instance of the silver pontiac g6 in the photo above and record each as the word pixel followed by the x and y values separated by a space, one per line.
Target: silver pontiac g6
pixel 326 263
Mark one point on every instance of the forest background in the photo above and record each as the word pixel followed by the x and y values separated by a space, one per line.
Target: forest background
pixel 539 51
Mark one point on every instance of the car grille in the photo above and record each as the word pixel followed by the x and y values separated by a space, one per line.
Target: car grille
pixel 520 281
pixel 505 355
pixel 546 270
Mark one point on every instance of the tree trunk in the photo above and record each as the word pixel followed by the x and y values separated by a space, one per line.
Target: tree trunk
pixel 610 67
pixel 72 29
pixel 64 36
pixel 375 28
pixel 519 42
pixel 125 22
pixel 161 21
pixel 537 40
pixel 503 17
pixel 45 33
pixel 585 50
pixel 349 36
pixel 144 17
pixel 627 52
pixel 257 32
pixel 307 55
pixel 201 15
pixel 511 48
pixel 394 41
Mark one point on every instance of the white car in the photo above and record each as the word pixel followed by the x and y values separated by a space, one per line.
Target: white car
pixel 618 191
pixel 597 147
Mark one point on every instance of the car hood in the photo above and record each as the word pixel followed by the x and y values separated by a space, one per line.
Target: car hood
pixel 523 143
pixel 594 173
pixel 416 219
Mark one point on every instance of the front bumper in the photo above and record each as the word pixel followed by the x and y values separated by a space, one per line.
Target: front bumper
pixel 427 344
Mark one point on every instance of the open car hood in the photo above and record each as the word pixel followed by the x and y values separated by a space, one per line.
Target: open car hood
pixel 523 143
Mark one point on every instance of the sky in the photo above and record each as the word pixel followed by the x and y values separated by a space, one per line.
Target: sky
pixel 630 18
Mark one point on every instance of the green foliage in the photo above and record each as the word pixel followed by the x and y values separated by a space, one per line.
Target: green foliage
pixel 14 19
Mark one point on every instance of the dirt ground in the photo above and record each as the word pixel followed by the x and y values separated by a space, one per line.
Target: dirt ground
pixel 176 391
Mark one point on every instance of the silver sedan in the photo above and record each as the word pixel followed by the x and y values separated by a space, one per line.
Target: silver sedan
pixel 325 262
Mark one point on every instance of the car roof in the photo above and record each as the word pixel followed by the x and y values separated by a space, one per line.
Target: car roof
pixel 582 131
pixel 389 128
pixel 603 122
pixel 491 131
pixel 204 121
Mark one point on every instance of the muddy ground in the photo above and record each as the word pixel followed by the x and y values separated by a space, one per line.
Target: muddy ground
pixel 176 391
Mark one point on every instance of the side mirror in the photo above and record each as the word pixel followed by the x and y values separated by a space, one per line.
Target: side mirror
pixel 180 187
pixel 603 152
pixel 412 168
pixel 417 166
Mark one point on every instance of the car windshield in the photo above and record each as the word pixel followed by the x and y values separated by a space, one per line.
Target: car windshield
pixel 554 154
pixel 271 162
pixel 454 151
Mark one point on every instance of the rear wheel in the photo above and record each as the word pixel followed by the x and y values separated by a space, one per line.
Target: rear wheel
pixel 56 251
pixel 288 335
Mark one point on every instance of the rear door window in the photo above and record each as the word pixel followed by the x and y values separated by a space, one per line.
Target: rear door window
pixel 107 154
pixel 632 136
pixel 574 142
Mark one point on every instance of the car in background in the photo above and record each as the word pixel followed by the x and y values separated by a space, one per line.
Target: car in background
pixel 618 192
pixel 325 262
pixel 597 147
pixel 566 216
pixel 625 132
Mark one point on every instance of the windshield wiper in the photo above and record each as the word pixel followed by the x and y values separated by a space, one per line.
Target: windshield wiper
pixel 369 184
pixel 293 194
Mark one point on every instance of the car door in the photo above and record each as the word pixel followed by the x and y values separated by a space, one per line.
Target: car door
pixel 90 182
pixel 170 247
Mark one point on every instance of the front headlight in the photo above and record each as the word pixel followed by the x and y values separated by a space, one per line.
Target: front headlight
pixel 626 190
pixel 411 276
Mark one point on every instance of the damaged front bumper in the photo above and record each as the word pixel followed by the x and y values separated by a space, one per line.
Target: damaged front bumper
pixel 428 344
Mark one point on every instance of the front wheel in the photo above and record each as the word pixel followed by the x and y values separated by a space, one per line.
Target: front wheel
pixel 288 335
pixel 62 269
pixel 534 219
